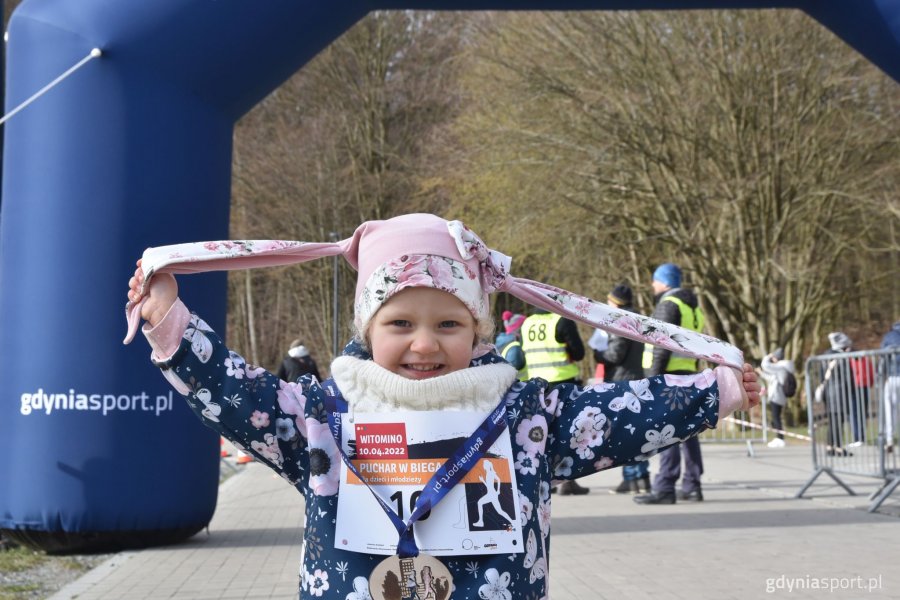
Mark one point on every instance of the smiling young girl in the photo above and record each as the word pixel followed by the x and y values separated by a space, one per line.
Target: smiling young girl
pixel 419 403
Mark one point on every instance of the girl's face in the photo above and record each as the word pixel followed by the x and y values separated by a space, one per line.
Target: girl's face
pixel 421 333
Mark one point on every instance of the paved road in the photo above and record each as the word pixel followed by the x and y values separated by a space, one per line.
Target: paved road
pixel 749 539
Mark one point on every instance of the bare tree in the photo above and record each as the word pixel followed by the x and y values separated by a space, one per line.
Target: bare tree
pixel 341 142
pixel 751 147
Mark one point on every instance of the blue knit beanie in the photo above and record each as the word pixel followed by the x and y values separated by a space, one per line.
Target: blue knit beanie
pixel 668 274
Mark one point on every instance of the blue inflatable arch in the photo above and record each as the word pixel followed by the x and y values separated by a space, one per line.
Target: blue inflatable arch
pixel 132 151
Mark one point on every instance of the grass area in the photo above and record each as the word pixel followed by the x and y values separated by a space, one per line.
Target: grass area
pixel 27 574
pixel 20 559
pixel 16 560
pixel 17 592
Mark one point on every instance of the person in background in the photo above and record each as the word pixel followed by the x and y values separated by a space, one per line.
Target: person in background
pixel 834 391
pixel 891 385
pixel 509 343
pixel 621 360
pixel 599 342
pixel 776 370
pixel 552 350
pixel 678 306
pixel 297 363
pixel 859 374
pixel 863 378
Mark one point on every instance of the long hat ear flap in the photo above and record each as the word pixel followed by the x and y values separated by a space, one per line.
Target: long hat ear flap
pixel 624 323
pixel 202 257
pixel 495 277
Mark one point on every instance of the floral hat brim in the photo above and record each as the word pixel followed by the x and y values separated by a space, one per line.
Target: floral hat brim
pixel 421 270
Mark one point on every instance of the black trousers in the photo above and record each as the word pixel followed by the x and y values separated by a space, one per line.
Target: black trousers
pixel 670 467
pixel 777 409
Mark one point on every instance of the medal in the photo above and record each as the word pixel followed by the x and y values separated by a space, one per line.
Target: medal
pixel 421 577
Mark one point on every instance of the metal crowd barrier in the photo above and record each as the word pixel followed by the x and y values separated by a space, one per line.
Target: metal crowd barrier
pixel 747 427
pixel 852 401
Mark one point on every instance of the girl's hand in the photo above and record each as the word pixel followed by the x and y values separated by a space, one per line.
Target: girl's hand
pixel 159 297
pixel 751 387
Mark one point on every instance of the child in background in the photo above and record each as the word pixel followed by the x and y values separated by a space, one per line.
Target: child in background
pixel 775 370
pixel 422 325
pixel 509 343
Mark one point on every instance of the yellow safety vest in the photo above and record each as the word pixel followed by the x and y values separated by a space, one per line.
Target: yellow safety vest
pixel 544 356
pixel 691 318
pixel 522 374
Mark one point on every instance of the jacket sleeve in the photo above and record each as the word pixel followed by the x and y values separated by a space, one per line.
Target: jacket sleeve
pixel 772 370
pixel 667 312
pixel 567 333
pixel 248 405
pixel 777 368
pixel 516 357
pixel 282 371
pixel 612 424
pixel 616 352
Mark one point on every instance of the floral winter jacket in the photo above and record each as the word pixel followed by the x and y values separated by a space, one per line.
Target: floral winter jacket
pixel 565 433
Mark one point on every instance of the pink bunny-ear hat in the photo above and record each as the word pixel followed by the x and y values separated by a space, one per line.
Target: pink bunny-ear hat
pixel 423 250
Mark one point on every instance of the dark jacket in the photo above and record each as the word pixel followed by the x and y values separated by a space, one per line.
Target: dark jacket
pixel 515 357
pixel 837 380
pixel 292 369
pixel 669 313
pixel 622 358
pixel 567 333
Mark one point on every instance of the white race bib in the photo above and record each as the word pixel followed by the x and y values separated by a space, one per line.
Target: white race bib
pixel 397 453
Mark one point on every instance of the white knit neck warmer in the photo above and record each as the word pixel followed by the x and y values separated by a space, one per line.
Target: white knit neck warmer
pixel 368 387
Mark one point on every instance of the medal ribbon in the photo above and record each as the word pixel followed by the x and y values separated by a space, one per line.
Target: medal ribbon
pixel 442 481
